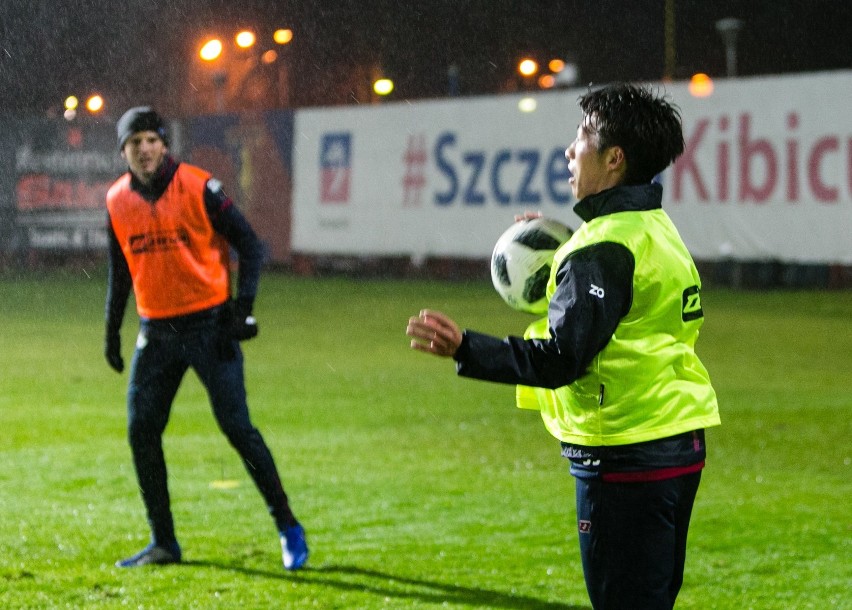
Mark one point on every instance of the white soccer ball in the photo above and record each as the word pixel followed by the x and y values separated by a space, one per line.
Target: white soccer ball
pixel 520 263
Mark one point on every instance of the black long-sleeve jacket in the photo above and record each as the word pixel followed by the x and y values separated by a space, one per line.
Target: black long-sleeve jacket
pixel 226 220
pixel 581 325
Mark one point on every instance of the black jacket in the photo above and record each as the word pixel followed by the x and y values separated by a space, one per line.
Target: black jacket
pixel 580 326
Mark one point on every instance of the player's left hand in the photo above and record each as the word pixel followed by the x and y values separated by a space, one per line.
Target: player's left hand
pixel 239 324
pixel 527 215
pixel 435 333
pixel 244 328
pixel 112 351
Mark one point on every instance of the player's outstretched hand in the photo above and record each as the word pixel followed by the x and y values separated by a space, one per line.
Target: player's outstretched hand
pixel 527 215
pixel 435 333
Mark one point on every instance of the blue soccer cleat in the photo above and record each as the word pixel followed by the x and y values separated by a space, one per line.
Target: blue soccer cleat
pixel 294 547
pixel 153 554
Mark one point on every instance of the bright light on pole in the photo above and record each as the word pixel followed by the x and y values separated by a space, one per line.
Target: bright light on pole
pixel 283 36
pixel 247 70
pixel 383 86
pixel 211 50
pixel 546 81
pixel 95 103
pixel 71 102
pixel 245 39
pixel 528 67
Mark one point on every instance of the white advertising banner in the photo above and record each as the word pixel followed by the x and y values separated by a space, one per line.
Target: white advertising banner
pixel 766 174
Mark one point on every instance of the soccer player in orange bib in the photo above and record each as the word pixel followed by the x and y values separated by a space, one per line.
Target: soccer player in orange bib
pixel 171 228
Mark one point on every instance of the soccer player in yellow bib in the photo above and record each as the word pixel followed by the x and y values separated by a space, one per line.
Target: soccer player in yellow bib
pixel 613 368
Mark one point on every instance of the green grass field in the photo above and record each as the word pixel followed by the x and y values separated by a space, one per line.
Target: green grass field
pixel 418 489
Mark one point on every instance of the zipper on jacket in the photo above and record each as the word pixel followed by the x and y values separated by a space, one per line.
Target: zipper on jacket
pixel 601 396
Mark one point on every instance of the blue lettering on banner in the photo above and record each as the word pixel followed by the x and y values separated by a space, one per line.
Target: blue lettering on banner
pixel 335 167
pixel 472 177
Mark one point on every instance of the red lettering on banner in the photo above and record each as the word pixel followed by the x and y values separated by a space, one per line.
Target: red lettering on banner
pixel 686 163
pixel 42 192
pixel 821 191
pixel 849 163
pixel 723 160
pixel 806 169
pixel 61 191
pixel 31 189
pixel 792 161
pixel 747 150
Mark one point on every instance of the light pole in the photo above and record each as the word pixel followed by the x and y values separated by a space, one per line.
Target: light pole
pixel 248 74
pixel 728 29
pixel 283 37
pixel 211 52
pixel 220 77
pixel 669 61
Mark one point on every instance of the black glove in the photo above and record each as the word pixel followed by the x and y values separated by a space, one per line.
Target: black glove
pixel 235 324
pixel 112 351
pixel 238 322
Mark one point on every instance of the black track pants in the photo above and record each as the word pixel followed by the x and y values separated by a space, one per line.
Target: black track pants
pixel 159 364
pixel 633 540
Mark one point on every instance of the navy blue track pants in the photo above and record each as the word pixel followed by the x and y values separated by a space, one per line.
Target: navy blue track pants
pixel 633 540
pixel 160 361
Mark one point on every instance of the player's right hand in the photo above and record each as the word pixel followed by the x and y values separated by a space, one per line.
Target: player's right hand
pixel 112 352
pixel 435 333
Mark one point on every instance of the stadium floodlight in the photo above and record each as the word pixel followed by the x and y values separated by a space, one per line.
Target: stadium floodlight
pixel 245 39
pixel 95 103
pixel 211 50
pixel 283 36
pixel 383 86
pixel 528 67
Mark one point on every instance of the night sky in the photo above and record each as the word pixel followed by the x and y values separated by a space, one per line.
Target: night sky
pixel 134 50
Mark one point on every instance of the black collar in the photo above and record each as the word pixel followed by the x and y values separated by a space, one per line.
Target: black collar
pixel 163 176
pixel 637 198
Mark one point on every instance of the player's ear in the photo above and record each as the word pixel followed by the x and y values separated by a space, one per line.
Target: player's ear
pixel 615 159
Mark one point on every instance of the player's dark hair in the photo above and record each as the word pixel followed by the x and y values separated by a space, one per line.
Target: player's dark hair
pixel 645 126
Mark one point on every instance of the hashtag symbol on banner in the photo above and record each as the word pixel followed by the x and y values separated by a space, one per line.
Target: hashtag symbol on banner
pixel 414 179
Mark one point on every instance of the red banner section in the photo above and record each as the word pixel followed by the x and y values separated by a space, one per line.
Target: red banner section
pixel 42 192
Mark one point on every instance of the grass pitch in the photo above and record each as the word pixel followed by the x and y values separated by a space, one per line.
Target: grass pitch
pixel 417 489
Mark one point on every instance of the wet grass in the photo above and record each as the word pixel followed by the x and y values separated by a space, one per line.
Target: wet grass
pixel 418 489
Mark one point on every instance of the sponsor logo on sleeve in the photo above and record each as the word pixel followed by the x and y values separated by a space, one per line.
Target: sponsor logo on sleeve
pixel 691 309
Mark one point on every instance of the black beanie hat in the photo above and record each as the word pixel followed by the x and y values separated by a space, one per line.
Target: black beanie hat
pixel 140 118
